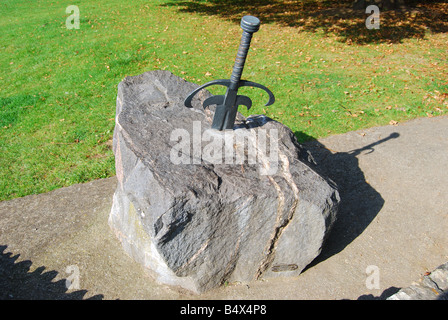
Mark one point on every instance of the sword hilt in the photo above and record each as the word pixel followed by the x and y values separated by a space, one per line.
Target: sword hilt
pixel 227 105
pixel 250 25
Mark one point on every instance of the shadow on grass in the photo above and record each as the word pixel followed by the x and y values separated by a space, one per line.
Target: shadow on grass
pixel 360 202
pixel 330 16
pixel 18 283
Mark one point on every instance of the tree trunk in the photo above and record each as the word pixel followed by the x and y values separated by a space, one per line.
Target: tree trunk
pixel 382 4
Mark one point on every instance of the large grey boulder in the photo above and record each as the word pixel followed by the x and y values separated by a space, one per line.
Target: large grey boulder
pixel 198 207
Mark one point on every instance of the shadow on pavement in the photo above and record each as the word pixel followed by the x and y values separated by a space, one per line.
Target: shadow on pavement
pixel 360 202
pixel 18 283
pixel 386 294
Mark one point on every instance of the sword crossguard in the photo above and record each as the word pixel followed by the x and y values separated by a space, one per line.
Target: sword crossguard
pixel 219 99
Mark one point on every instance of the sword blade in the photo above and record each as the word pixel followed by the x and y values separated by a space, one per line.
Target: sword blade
pixel 225 112
pixel 219 119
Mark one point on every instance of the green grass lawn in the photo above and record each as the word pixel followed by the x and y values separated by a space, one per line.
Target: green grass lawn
pixel 57 99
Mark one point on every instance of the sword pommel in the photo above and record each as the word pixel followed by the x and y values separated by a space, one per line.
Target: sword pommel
pixel 250 24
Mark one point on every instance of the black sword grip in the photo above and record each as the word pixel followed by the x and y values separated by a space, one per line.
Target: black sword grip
pixel 250 25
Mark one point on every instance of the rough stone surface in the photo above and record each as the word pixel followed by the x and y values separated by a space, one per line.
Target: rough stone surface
pixel 432 286
pixel 212 217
